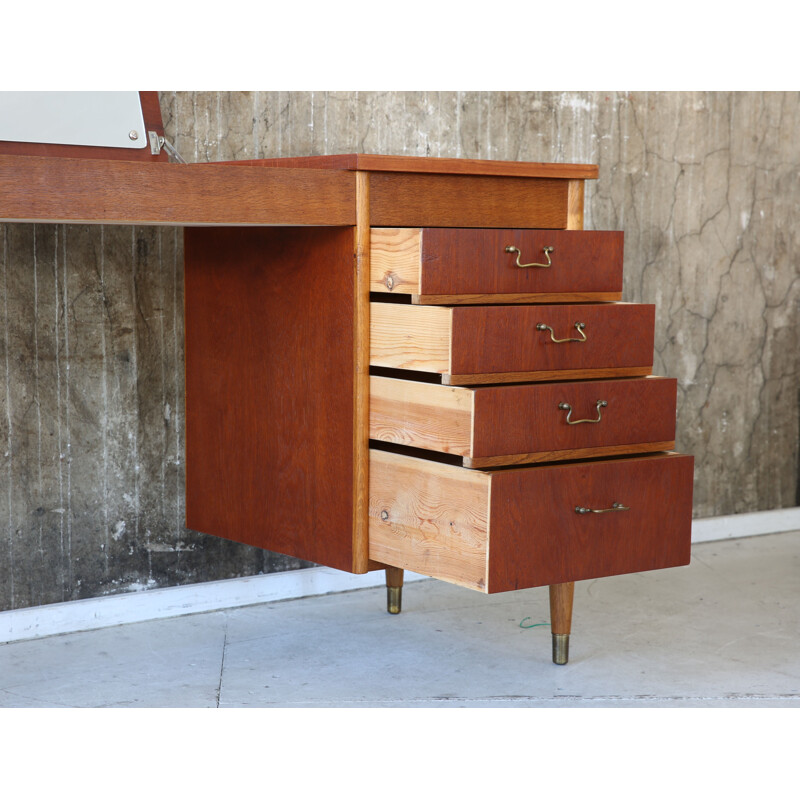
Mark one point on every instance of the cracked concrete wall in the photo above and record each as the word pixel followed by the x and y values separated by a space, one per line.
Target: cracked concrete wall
pixel 705 186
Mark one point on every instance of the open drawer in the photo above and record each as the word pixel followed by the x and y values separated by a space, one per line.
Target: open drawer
pixel 469 265
pixel 509 343
pixel 491 426
pixel 509 529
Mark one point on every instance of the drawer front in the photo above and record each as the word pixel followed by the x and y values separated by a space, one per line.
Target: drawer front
pixel 501 425
pixel 491 344
pixel 514 529
pixel 407 200
pixel 538 537
pixel 447 265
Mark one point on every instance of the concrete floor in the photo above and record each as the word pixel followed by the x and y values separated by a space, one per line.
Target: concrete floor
pixel 722 632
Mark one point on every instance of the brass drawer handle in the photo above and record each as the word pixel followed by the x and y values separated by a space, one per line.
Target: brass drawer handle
pixel 614 507
pixel 579 326
pixel 568 408
pixel 547 251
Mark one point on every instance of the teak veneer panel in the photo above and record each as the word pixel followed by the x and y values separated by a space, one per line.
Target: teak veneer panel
pixel 527 419
pixel 466 201
pixel 37 189
pixel 437 166
pixel 482 344
pixel 442 262
pixel 538 539
pixel 518 528
pixel 361 378
pixel 501 425
pixel 518 297
pixel 504 338
pixel 270 389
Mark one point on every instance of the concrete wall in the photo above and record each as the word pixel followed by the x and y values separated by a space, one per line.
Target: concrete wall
pixel 704 185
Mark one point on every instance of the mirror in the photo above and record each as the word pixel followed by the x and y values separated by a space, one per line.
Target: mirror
pixel 95 119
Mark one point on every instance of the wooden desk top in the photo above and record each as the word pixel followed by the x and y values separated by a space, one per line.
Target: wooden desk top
pixel 314 190
pixel 442 166
pixel 84 190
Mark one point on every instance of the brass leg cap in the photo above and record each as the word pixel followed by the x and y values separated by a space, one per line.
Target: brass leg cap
pixel 560 648
pixel 394 597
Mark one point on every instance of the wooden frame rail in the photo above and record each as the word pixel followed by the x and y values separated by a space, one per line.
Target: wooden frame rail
pixel 98 191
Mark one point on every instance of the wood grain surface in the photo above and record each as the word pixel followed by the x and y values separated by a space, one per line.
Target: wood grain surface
pixel 545 375
pixel 394 577
pixel 440 166
pixel 466 201
pixel 410 337
pixel 499 425
pixel 432 518
pixel 577 190
pixel 561 599
pixel 361 393
pixel 151 112
pixel 35 189
pixel 395 260
pixel 269 389
pixel 527 418
pixel 519 298
pixel 537 538
pixel 484 343
pixel 424 415
pixel 546 456
pixel 470 261
pixel 504 339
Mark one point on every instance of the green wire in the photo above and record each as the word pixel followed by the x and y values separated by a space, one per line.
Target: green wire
pixel 535 624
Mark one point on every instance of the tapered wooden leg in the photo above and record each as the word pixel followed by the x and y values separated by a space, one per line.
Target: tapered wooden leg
pixel 394 589
pixel 561 620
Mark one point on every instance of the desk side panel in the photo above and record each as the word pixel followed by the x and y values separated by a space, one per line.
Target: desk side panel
pixel 269 388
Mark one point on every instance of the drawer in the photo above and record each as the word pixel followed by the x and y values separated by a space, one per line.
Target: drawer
pixel 497 344
pixel 461 265
pixel 518 424
pixel 509 529
pixel 407 200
